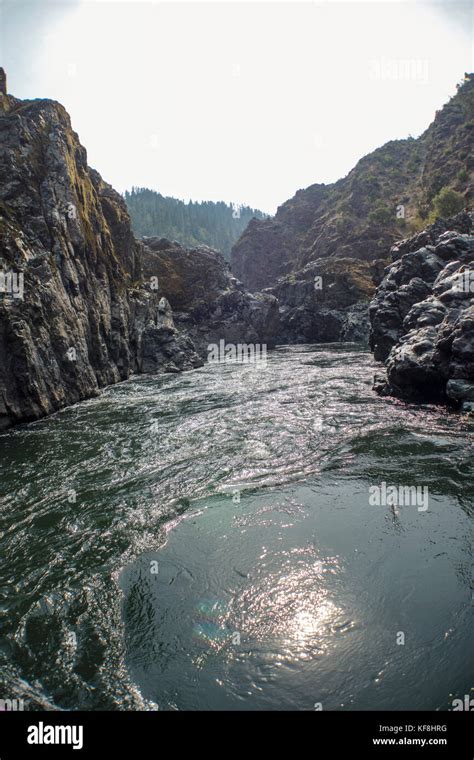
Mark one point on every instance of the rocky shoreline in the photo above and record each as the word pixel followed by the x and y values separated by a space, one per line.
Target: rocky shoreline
pixel 422 317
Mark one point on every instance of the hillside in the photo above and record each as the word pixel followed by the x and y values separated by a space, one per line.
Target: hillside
pixel 217 225
pixel 390 193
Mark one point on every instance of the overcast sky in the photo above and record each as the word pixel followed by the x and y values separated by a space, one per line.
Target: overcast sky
pixel 243 101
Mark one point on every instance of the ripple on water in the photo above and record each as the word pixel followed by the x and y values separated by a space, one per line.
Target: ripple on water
pixel 270 469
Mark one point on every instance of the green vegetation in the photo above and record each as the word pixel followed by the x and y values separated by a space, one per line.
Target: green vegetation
pixel 381 215
pixel 416 224
pixel 447 203
pixel 217 225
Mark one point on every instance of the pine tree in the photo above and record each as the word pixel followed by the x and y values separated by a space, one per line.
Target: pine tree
pixel 192 223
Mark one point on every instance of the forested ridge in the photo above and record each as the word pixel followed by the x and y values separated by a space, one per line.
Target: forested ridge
pixel 217 225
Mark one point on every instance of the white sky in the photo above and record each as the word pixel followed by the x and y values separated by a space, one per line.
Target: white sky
pixel 243 101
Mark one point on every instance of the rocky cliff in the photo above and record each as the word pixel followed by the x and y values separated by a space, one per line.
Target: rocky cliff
pixel 78 308
pixel 208 303
pixel 326 301
pixel 387 194
pixel 422 316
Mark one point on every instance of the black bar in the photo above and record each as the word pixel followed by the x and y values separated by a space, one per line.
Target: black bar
pixel 316 734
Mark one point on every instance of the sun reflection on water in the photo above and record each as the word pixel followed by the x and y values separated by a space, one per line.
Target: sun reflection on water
pixel 294 609
pixel 310 622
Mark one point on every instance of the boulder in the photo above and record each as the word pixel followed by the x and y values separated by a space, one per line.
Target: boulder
pixel 422 319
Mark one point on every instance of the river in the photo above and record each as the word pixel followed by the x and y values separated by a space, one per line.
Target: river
pixel 207 541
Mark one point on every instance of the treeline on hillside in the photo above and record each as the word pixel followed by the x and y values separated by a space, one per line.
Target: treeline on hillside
pixel 217 225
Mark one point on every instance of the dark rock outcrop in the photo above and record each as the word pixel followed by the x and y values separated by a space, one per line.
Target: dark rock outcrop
pixel 269 248
pixel 78 322
pixel 326 301
pixel 460 223
pixel 164 347
pixel 208 302
pixel 417 263
pixel 422 317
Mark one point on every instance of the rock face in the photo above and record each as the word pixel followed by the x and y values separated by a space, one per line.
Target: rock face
pixel 65 237
pixel 164 347
pixel 3 82
pixel 422 317
pixel 407 282
pixel 362 215
pixel 77 308
pixel 326 301
pixel 269 248
pixel 209 304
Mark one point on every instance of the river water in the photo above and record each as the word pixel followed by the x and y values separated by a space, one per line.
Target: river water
pixel 207 541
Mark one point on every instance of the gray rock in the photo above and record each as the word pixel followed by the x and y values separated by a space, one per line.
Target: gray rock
pixel 325 302
pixel 208 303
pixel 460 390
pixel 85 317
pixel 422 321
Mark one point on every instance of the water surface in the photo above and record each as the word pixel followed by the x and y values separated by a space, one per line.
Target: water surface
pixel 205 541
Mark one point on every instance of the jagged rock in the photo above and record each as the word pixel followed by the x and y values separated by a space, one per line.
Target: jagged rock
pixel 411 368
pixel 378 267
pixel 355 326
pixel 326 301
pixel 460 390
pixel 165 315
pixel 84 319
pixel 164 347
pixel 422 319
pixel 208 302
pixel 268 249
pixel 460 223
pixel 3 82
pixel 408 282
